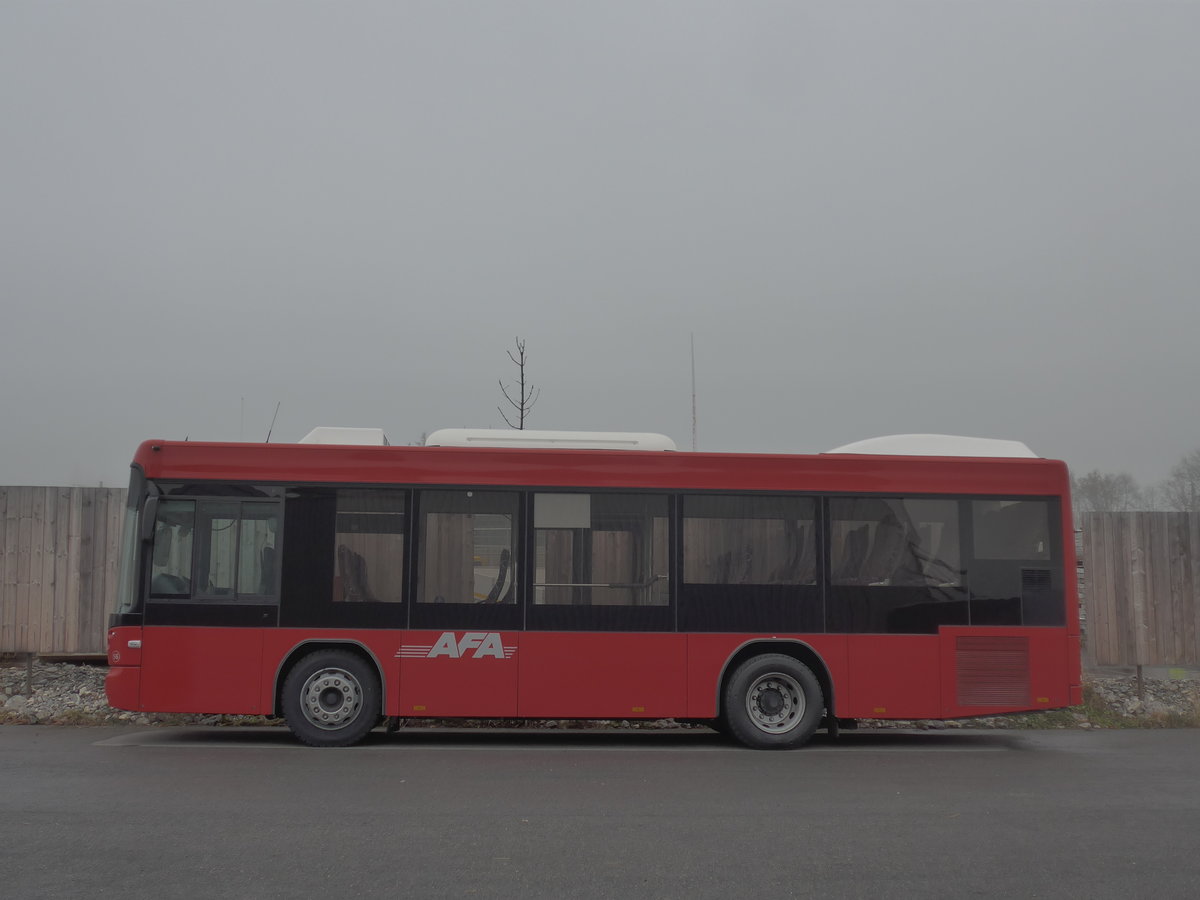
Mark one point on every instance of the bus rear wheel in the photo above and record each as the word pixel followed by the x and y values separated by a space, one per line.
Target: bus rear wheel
pixel 772 702
pixel 331 698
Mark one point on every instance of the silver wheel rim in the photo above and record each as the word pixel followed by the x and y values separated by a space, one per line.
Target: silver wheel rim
pixel 775 703
pixel 331 698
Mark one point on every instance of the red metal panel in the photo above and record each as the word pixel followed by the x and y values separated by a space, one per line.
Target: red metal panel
pixel 590 675
pixel 120 653
pixel 1050 685
pixel 121 687
pixel 892 676
pixel 460 673
pixel 202 670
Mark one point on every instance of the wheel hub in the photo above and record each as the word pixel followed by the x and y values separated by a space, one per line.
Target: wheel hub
pixel 331 698
pixel 775 703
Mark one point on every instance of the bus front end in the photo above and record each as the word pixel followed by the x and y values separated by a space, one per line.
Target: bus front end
pixel 123 682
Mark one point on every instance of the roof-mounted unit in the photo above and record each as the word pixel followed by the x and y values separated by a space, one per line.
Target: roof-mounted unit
pixel 571 440
pixel 328 434
pixel 937 445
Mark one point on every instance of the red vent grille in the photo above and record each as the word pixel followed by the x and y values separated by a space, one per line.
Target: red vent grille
pixel 992 671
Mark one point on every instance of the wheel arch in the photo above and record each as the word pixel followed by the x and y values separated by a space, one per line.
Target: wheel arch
pixel 303 648
pixel 797 649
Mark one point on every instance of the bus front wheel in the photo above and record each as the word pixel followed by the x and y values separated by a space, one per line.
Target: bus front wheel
pixel 772 702
pixel 331 698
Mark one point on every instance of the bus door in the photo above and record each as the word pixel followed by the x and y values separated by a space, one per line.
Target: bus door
pixel 460 656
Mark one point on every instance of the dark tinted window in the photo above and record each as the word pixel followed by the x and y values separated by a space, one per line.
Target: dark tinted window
pixel 1016 573
pixel 895 565
pixel 750 563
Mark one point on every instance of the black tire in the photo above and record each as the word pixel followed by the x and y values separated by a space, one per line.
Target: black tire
pixel 331 698
pixel 772 702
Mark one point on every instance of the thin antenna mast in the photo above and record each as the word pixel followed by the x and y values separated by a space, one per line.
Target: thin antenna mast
pixel 693 391
pixel 272 428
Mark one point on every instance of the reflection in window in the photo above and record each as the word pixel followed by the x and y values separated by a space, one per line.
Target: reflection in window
pixel 215 549
pixel 601 550
pixel 749 540
pixel 369 546
pixel 171 565
pixel 750 564
pixel 469 551
pixel 1011 529
pixel 879 541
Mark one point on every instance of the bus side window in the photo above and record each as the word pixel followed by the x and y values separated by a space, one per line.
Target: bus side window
pixel 468 540
pixel 368 547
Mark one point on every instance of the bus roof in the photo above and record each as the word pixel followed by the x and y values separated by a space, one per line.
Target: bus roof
pixel 603 469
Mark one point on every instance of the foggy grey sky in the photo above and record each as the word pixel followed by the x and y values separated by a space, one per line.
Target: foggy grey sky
pixel 877 217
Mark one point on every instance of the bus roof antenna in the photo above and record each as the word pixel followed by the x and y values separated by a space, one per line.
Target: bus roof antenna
pixel 272 428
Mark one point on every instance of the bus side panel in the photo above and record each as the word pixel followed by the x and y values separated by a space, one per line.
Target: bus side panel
pixel 891 676
pixel 383 645
pixel 611 675
pixel 460 673
pixel 709 654
pixel 202 670
pixel 996 670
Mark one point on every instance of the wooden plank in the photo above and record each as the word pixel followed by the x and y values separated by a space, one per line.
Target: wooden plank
pixel 87 568
pixel 8 571
pixel 1194 594
pixel 64 619
pixel 24 554
pixel 1104 581
pixel 94 545
pixel 1177 563
pixel 1111 552
pixel 1147 641
pixel 1091 598
pixel 1123 567
pixel 1114 552
pixel 45 613
pixel 62 568
pixel 37 554
pixel 1099 591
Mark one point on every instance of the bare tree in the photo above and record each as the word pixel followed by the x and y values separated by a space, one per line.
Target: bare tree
pixel 527 394
pixel 1100 492
pixel 1181 491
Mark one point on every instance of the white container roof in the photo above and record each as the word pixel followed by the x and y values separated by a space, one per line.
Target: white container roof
pixel 937 445
pixel 331 434
pixel 572 440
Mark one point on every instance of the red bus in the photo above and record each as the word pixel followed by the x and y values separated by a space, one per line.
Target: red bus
pixel 341 586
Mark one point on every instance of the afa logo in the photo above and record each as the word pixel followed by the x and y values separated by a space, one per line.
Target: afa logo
pixel 472 645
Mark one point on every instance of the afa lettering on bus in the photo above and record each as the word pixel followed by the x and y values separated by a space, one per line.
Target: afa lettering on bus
pixel 472 644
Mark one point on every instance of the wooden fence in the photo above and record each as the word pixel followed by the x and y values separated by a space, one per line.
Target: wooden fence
pixel 1143 595
pixel 58 571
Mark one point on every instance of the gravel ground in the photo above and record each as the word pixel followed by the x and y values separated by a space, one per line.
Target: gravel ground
pixel 73 694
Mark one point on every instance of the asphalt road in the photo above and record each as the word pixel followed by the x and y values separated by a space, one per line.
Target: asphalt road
pixel 192 812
